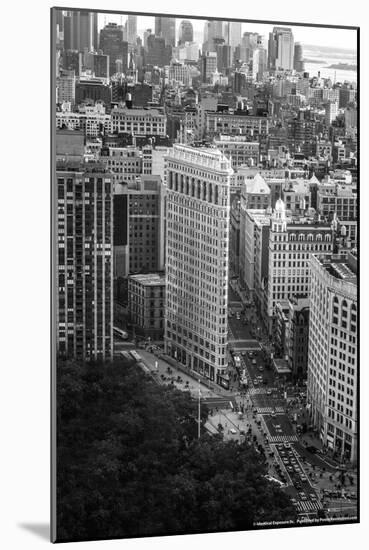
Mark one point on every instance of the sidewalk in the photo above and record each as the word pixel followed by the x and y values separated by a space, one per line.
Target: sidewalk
pixel 218 390
pixel 189 382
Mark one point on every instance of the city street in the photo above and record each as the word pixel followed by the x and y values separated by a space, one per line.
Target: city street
pixel 261 415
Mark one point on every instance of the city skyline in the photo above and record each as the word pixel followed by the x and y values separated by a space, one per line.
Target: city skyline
pixel 320 36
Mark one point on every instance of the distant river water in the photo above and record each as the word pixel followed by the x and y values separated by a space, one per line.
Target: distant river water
pixel 324 60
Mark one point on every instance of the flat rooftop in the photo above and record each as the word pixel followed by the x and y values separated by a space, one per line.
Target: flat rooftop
pixel 342 267
pixel 149 279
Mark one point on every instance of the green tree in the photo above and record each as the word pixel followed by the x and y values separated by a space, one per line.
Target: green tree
pixel 129 462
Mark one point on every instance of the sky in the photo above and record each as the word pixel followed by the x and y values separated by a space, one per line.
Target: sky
pixel 319 36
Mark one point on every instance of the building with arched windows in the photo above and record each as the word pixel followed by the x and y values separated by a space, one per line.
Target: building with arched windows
pixel 197 248
pixel 292 241
pixel 332 357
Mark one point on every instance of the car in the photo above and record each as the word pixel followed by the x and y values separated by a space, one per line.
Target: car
pixel 287 446
pixel 250 354
pixel 269 392
pixel 253 361
pixel 243 353
pixel 233 431
pixel 256 382
pixel 261 368
pixel 303 477
pixel 289 468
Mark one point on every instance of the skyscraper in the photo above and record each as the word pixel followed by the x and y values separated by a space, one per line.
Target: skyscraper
pixel 197 234
pixel 332 357
pixel 85 276
pixel 208 65
pixel 113 45
pixel 131 26
pixel 214 30
pixel 281 49
pixel 80 30
pixel 165 27
pixel 232 33
pixel 185 32
pixel 298 60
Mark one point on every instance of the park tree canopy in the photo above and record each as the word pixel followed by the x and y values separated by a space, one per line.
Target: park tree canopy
pixel 129 463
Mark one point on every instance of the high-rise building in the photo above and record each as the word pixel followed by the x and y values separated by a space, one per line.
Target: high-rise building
pixel 85 275
pixel 224 57
pixel 297 337
pixel 232 33
pixel 131 27
pixel 165 27
pixel 70 61
pixel 197 234
pixel 332 358
pixel 298 60
pixel 291 244
pixel 97 63
pixel 146 225
pixel 113 45
pixel 346 95
pixel 258 63
pixel 249 43
pixel 208 65
pixel 281 49
pixel 185 32
pixel 158 52
pixel 139 219
pixel 66 87
pixel 80 30
pixel 254 242
pixel 331 112
pixel 214 31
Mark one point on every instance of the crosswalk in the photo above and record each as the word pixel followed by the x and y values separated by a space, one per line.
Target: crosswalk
pixel 308 506
pixel 282 438
pixel 270 410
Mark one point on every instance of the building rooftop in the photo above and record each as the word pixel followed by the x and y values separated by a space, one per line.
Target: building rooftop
pixel 257 185
pixel 137 112
pixel 341 267
pixel 204 156
pixel 298 186
pixel 149 279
